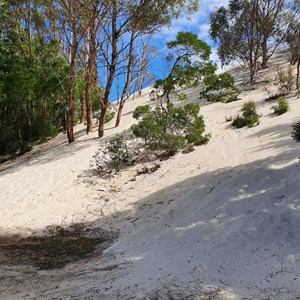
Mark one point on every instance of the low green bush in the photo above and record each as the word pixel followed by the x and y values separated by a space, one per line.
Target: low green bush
pixel 296 132
pixel 249 116
pixel 220 88
pixel 282 106
pixel 285 80
pixel 109 116
pixel 170 128
pixel 114 155
pixel 159 134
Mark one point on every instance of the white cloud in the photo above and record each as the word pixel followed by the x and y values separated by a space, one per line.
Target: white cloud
pixel 198 22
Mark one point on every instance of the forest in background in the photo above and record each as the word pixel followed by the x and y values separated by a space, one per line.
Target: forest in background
pixel 59 60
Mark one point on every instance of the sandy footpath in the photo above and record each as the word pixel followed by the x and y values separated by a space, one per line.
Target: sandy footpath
pixel 222 222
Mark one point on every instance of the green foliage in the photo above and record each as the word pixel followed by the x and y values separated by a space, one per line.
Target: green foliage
pixel 114 155
pixel 282 107
pixel 140 111
pixel 220 88
pixel 285 80
pixel 190 62
pixel 296 132
pixel 32 93
pixel 109 116
pixel 170 129
pixel 188 149
pixel 160 133
pixel 249 117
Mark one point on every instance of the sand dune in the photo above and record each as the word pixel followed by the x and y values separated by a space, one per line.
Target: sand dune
pixel 222 222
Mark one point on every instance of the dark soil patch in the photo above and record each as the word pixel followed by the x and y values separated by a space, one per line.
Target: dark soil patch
pixel 55 248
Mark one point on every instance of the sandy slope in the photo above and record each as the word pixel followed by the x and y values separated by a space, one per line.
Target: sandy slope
pixel 222 222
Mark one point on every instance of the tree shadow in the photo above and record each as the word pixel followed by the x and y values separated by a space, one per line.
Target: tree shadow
pixel 233 228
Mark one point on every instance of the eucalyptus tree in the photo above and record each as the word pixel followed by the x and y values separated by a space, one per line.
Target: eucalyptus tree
pixel 249 32
pixel 136 69
pixel 68 14
pixel 94 15
pixel 131 19
pixel 189 59
pixel 293 40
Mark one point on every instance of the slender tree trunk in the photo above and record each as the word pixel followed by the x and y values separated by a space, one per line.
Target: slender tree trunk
pixel 83 109
pixel 91 76
pixel 297 77
pixel 71 100
pixel 128 79
pixel 29 120
pixel 112 70
pixel 102 121
pixel 264 50
pixel 119 114
pixel 141 84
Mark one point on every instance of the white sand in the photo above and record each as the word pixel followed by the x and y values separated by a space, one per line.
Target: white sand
pixel 220 222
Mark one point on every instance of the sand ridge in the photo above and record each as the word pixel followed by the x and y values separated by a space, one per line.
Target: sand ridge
pixel 221 222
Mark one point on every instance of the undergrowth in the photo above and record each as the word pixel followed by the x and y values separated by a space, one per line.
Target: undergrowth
pixel 249 116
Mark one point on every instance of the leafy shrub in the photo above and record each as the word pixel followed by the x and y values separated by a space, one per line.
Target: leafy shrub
pixel 160 133
pixel 114 155
pixel 220 88
pixel 282 107
pixel 169 129
pixel 188 149
pixel 249 117
pixel 296 132
pixel 285 80
pixel 108 116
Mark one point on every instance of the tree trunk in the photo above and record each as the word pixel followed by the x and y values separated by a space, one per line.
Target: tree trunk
pixel 29 120
pixel 102 121
pixel 297 77
pixel 112 70
pixel 83 108
pixel 141 84
pixel 265 50
pixel 128 79
pixel 91 78
pixel 119 114
pixel 71 100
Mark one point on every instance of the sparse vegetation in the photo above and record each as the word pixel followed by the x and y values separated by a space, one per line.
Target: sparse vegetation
pixel 285 80
pixel 249 117
pixel 296 132
pixel 52 250
pixel 160 133
pixel 282 106
pixel 115 155
pixel 220 88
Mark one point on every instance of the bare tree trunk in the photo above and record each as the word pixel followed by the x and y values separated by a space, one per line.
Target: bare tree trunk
pixel 102 121
pixel 112 70
pixel 119 114
pixel 83 109
pixel 91 76
pixel 128 79
pixel 264 52
pixel 297 77
pixel 71 100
